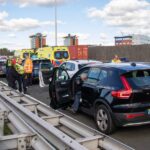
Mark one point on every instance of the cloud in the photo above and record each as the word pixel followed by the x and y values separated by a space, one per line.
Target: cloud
pixel 21 24
pixel 3 15
pixel 24 3
pixel 103 36
pixel 11 45
pixel 2 2
pixel 128 15
pixel 12 35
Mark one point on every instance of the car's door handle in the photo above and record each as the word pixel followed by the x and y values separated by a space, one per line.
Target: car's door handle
pixel 63 83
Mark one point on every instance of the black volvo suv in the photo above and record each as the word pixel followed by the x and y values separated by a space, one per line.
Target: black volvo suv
pixel 114 94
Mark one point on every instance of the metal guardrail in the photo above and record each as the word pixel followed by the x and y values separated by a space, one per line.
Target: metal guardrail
pixel 22 136
pixel 61 131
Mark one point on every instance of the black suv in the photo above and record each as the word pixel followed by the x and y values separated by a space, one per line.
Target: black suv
pixel 114 94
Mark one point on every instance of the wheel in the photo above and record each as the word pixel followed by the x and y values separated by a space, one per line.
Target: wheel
pixel 104 120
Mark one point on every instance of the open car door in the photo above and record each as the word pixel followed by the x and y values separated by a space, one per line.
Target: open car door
pixel 59 89
pixel 45 73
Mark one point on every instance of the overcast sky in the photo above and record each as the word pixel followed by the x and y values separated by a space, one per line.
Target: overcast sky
pixel 94 21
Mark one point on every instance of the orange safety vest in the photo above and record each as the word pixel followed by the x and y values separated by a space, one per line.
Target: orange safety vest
pixel 28 66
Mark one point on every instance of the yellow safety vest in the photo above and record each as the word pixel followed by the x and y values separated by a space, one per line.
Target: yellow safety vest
pixel 116 61
pixel 19 69
pixel 28 66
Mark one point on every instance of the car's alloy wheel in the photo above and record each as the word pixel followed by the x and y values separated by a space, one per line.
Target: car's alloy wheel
pixel 104 120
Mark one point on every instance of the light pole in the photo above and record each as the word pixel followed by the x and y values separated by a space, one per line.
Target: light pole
pixel 55 22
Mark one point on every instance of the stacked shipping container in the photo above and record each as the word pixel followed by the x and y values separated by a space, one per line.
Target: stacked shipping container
pixel 78 52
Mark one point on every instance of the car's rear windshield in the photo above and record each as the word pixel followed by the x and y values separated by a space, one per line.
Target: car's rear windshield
pixel 46 66
pixel 61 55
pixel 37 62
pixel 139 78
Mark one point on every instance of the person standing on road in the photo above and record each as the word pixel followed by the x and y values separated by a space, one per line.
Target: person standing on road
pixel 116 59
pixel 12 75
pixel 8 66
pixel 28 68
pixel 21 76
pixel 78 87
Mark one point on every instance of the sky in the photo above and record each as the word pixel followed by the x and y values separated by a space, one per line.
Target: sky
pixel 93 21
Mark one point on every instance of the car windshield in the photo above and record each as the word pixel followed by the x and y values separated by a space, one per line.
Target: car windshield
pixel 140 78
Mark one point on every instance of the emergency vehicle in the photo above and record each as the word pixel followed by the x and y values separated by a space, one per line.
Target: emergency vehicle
pixel 56 54
pixel 22 53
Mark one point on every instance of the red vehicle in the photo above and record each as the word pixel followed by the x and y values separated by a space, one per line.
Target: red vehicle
pixel 78 52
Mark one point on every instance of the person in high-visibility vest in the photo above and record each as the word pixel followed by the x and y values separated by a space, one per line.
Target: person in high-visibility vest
pixel 28 68
pixel 8 66
pixel 116 59
pixel 21 78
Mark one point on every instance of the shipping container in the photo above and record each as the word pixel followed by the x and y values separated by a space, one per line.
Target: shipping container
pixel 78 52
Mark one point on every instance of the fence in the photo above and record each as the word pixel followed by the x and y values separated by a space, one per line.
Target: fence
pixel 133 53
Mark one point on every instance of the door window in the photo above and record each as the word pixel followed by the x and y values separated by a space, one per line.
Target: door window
pixel 103 78
pixel 61 75
pixel 93 75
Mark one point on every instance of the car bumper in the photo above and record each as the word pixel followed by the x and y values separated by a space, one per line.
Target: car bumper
pixel 131 119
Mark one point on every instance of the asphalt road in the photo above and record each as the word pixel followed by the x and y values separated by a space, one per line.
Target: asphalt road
pixel 136 137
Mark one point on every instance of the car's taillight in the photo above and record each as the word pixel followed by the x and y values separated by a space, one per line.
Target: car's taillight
pixel 125 93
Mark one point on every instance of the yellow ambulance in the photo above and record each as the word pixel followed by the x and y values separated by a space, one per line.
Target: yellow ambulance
pixel 22 53
pixel 56 54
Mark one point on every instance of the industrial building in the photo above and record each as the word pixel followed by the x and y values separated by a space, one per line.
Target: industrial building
pixel 38 40
pixel 134 39
pixel 70 40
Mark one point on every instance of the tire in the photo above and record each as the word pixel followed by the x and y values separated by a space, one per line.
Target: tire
pixel 104 120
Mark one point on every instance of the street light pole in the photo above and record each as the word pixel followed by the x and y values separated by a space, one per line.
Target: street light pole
pixel 55 22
